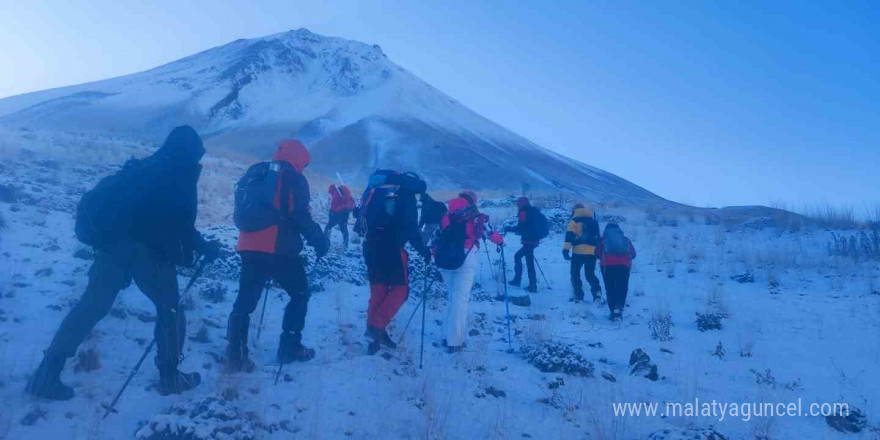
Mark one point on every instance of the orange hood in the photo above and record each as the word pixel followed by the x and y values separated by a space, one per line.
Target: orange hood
pixel 294 153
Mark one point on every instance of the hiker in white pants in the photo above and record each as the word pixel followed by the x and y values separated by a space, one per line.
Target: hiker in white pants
pixel 456 251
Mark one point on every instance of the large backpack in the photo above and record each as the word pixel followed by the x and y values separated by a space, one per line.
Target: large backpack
pixel 106 212
pixel 379 201
pixel 538 225
pixel 255 197
pixel 449 245
pixel 589 232
pixel 615 243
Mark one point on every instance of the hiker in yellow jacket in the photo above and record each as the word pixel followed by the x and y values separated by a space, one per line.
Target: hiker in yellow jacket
pixel 581 239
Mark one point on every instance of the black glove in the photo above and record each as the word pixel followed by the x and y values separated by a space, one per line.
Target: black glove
pixel 566 254
pixel 209 249
pixel 322 247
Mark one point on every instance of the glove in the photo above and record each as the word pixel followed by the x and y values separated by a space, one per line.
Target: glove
pixel 323 247
pixel 566 254
pixel 209 249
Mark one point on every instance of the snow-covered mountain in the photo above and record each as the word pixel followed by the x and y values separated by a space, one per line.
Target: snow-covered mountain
pixel 356 109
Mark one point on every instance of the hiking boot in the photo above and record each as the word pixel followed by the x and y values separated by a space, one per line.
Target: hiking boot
pixel 172 381
pixel 237 359
pixel 373 348
pixel 46 381
pixel 516 281
pixel 455 349
pixel 533 288
pixel 522 301
pixel 385 339
pixel 291 349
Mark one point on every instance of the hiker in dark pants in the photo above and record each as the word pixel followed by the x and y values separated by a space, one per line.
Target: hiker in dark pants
pixel 341 205
pixel 616 253
pixel 529 242
pixel 155 234
pixel 581 238
pixel 274 253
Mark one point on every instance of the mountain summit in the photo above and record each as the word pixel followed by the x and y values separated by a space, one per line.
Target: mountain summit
pixel 353 107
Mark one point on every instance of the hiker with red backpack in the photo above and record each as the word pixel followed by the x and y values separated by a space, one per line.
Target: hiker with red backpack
pixel 272 213
pixel 388 217
pixel 615 252
pixel 531 226
pixel 456 251
pixel 141 223
pixel 581 238
pixel 341 205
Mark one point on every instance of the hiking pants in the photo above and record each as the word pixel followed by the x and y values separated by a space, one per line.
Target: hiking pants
pixel 527 251
pixel 389 280
pixel 616 285
pixel 338 219
pixel 288 271
pixel 458 289
pixel 113 270
pixel 588 263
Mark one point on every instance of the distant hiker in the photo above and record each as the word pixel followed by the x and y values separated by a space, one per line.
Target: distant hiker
pixel 582 237
pixel 141 222
pixel 389 218
pixel 431 216
pixel 456 252
pixel 341 205
pixel 270 242
pixel 532 226
pixel 616 253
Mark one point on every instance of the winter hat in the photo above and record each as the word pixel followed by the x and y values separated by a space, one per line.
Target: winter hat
pixel 331 189
pixel 612 227
pixel 182 143
pixel 470 196
pixel 578 206
pixel 294 153
pixel 522 202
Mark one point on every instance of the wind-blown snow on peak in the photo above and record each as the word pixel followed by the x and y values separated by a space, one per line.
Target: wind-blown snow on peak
pixel 355 109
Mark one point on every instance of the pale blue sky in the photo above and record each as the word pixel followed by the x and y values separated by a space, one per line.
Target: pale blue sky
pixel 709 103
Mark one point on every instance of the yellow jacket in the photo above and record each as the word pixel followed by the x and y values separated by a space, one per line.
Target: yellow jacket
pixel 582 223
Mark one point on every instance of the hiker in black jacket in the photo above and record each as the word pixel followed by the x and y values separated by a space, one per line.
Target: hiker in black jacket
pixel 529 243
pixel 432 214
pixel 156 235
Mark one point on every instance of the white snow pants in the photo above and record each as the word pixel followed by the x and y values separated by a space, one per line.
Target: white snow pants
pixel 458 288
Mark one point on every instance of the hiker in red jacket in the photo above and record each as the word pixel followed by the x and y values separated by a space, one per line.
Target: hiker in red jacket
pixel 341 205
pixel 462 225
pixel 274 253
pixel 615 252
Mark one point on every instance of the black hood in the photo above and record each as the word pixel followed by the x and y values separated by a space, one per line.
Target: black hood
pixel 183 143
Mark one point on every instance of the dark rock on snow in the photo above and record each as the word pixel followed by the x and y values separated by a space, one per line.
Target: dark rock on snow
pixel 640 365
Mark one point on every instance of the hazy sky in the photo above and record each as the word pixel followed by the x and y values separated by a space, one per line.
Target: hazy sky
pixel 709 103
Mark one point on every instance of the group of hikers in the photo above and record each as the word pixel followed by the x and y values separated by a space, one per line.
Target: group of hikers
pixel 141 223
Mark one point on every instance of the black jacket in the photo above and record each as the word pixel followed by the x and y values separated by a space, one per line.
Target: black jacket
pixel 432 211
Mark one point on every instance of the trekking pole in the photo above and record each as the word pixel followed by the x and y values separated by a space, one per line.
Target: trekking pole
pixel 549 286
pixel 263 313
pixel 489 259
pixel 413 315
pixel 506 296
pixel 424 312
pixel 203 262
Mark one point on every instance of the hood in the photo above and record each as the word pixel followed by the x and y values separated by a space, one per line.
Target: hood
pixel 332 189
pixel 468 194
pixel 183 143
pixel 458 204
pixel 522 202
pixel 612 228
pixel 294 153
pixel 582 212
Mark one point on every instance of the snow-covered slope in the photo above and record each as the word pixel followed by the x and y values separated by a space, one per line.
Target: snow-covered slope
pixel 355 108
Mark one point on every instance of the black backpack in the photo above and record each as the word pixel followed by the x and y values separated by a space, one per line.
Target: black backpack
pixel 615 243
pixel 255 197
pixel 106 212
pixel 449 245
pixel 379 201
pixel 589 232
pixel 538 225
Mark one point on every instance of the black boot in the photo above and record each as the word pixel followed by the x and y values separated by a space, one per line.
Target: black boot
pixel 385 339
pixel 291 349
pixel 532 287
pixel 373 347
pixel 516 281
pixel 578 294
pixel 172 381
pixel 46 381
pixel 237 359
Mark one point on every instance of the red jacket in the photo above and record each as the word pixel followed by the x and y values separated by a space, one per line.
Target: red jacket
pixel 285 238
pixel 477 227
pixel 340 202
pixel 615 260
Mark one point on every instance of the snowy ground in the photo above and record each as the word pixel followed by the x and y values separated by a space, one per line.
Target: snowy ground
pixel 809 322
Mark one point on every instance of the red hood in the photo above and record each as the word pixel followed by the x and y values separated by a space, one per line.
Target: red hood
pixel 294 153
pixel 458 203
